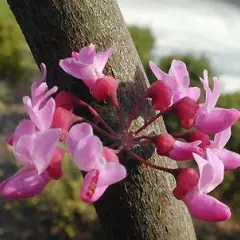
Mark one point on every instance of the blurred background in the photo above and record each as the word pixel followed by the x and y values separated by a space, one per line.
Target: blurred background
pixel 204 34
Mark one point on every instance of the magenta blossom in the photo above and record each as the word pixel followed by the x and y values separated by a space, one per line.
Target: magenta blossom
pixel 40 107
pixel 34 150
pixel 89 156
pixel 166 145
pixel 211 120
pixel 87 65
pixel 231 160
pixel 178 80
pixel 201 205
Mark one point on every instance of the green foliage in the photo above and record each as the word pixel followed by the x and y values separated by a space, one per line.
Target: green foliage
pixel 144 41
pixel 16 63
pixel 58 213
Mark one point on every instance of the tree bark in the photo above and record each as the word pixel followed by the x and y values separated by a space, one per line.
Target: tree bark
pixel 142 206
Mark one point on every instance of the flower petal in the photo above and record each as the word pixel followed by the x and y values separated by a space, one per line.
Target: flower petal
pixel 231 160
pixel 101 60
pixel 25 183
pixel 217 120
pixel 78 132
pixel 44 146
pixel 90 192
pixel 183 151
pixel 88 154
pixel 25 127
pixel 160 75
pixel 179 71
pixel 87 54
pixel 221 139
pixel 207 208
pixel 111 173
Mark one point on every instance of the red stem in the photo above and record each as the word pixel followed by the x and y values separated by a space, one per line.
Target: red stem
pixel 101 131
pixel 148 123
pixel 120 113
pixel 96 115
pixel 136 107
pixel 172 171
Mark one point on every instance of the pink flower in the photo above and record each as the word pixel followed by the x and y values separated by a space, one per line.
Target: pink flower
pixel 201 205
pixel 87 65
pixel 231 160
pixel 100 163
pixel 40 107
pixel 211 120
pixel 34 150
pixel 161 95
pixel 166 145
pixel 63 115
pixel 105 88
pixel 186 110
pixel 178 80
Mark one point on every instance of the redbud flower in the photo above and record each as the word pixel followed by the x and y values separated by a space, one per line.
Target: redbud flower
pixel 87 65
pixel 195 136
pixel 161 95
pixel 186 110
pixel 40 107
pixel 201 205
pixel 34 150
pixel 88 155
pixel 231 160
pixel 186 180
pixel 178 80
pixel 63 114
pixel 105 88
pixel 211 120
pixel 166 145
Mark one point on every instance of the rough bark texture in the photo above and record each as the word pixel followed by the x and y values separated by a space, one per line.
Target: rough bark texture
pixel 142 206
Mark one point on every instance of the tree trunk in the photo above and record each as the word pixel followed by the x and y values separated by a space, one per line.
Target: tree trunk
pixel 142 206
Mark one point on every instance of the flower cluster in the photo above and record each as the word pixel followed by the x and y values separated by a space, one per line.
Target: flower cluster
pixel 51 121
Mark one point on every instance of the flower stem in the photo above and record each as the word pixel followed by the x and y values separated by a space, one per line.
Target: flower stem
pixel 94 126
pixel 96 115
pixel 172 171
pixel 135 109
pixel 148 123
pixel 120 113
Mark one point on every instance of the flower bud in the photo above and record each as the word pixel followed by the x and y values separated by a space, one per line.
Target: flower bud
pixel 164 143
pixel 161 95
pixel 186 179
pixel 64 100
pixel 10 139
pixel 62 118
pixel 197 135
pixel 55 168
pixel 186 109
pixel 105 88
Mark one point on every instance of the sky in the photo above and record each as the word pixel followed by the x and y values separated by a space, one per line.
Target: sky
pixel 209 27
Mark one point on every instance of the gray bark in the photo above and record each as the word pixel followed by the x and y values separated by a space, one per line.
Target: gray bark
pixel 142 206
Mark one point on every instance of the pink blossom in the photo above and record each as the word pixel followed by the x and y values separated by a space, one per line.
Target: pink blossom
pixel 166 145
pixel 161 95
pixel 40 107
pixel 87 65
pixel 231 160
pixel 34 150
pixel 89 156
pixel 178 80
pixel 201 205
pixel 211 120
